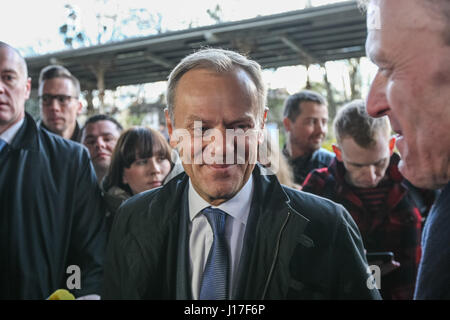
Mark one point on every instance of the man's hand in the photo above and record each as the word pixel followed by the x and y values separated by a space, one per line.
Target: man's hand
pixel 387 267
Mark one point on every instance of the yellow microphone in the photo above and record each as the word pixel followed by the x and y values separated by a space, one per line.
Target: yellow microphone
pixel 61 294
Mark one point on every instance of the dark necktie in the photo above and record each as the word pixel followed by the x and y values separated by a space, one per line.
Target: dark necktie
pixel 3 146
pixel 215 276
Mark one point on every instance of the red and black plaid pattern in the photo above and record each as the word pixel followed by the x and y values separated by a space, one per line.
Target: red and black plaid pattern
pixel 394 226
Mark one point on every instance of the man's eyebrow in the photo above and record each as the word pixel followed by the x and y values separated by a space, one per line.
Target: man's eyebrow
pixel 9 71
pixel 192 117
pixel 89 136
pixel 368 164
pixel 241 120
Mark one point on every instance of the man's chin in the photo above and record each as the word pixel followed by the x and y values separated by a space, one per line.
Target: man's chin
pixel 421 177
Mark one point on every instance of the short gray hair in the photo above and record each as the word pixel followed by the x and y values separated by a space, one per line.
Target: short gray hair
pixel 220 61
pixel 352 120
pixel 440 7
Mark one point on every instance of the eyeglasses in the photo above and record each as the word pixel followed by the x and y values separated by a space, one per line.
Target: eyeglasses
pixel 62 99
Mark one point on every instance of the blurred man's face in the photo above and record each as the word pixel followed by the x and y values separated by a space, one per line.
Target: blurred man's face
pixel 59 114
pixel 100 138
pixel 307 132
pixel 218 102
pixel 366 167
pixel 14 88
pixel 412 86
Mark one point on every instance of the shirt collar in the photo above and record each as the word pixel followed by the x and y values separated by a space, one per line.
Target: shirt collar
pixel 238 207
pixel 11 132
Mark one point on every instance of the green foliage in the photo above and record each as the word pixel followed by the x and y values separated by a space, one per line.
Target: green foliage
pixel 133 120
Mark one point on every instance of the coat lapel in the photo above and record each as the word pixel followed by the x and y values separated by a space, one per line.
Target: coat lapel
pixel 268 244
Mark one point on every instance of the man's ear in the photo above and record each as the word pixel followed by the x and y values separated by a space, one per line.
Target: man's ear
pixel 391 145
pixel 338 152
pixel 287 124
pixel 266 112
pixel 261 135
pixel 80 108
pixel 28 89
pixel 169 128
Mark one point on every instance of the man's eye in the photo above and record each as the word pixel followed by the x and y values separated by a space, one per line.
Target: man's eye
pixel 243 127
pixel 7 77
pixel 385 71
pixel 63 99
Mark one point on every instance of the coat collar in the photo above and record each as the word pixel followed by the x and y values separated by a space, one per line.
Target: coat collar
pixel 267 238
pixel 27 137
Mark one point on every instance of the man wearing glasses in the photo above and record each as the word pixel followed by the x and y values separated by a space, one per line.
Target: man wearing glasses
pixel 58 99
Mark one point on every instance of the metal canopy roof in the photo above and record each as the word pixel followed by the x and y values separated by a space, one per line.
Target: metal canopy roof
pixel 313 35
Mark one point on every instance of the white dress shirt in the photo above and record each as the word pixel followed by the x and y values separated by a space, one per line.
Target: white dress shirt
pixel 9 134
pixel 201 234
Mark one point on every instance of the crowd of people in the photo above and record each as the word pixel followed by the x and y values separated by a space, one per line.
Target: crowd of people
pixel 198 215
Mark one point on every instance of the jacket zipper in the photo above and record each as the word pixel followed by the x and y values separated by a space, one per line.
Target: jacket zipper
pixel 277 248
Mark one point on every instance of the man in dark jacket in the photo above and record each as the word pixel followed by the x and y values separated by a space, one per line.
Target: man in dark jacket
pixel 59 93
pixel 306 124
pixel 52 232
pixel 222 230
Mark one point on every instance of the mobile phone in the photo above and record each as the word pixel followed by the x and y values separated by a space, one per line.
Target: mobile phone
pixel 384 257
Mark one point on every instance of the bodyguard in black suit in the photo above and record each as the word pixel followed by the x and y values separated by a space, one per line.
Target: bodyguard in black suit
pixel 51 216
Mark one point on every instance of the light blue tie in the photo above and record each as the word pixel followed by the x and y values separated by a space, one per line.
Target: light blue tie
pixel 215 276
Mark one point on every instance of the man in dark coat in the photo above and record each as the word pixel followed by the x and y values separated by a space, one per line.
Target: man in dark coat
pixel 222 229
pixel 306 124
pixel 59 93
pixel 412 88
pixel 52 231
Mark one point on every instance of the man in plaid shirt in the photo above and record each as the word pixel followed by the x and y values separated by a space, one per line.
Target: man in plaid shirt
pixel 364 178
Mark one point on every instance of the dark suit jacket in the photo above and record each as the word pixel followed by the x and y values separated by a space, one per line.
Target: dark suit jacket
pixel 51 216
pixel 296 246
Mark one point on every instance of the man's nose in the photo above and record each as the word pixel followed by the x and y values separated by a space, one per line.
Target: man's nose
pixel 100 143
pixel 321 127
pixel 371 173
pixel 376 103
pixel 54 105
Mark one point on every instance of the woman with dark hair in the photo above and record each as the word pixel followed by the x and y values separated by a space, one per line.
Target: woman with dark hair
pixel 141 161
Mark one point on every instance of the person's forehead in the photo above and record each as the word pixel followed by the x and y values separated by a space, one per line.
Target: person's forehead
pixel 59 85
pixel 101 127
pixel 354 153
pixel 312 108
pixel 197 78
pixel 204 87
pixel 10 61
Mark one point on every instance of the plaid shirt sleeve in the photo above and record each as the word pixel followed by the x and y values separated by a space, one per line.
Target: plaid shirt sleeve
pixel 315 181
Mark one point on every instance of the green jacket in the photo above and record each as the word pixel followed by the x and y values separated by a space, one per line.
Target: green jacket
pixel 296 246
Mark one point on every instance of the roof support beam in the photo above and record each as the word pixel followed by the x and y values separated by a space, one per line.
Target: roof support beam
pixel 158 60
pixel 299 49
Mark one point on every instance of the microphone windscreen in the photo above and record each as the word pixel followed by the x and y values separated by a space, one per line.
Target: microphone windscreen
pixel 61 294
